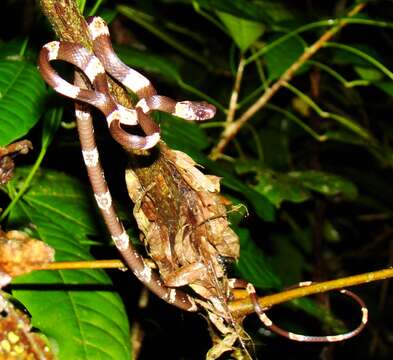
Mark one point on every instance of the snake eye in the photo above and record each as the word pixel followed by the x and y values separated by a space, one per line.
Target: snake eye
pixel 200 114
pixel 205 111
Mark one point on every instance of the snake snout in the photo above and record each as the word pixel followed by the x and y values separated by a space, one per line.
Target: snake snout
pixel 204 111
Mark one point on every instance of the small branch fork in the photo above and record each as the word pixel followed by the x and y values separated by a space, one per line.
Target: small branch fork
pixel 233 127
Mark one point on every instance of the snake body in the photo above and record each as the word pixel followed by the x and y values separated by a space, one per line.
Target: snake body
pixel 96 65
pixel 236 283
pixel 139 84
pixel 116 115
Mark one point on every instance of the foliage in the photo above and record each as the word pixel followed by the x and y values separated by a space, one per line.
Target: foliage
pixel 313 166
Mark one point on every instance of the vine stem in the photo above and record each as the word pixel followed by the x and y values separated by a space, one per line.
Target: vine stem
pixel 234 127
pixel 244 306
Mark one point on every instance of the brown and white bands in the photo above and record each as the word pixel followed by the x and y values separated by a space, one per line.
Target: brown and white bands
pixel 115 114
pixel 235 283
pixel 95 65
pixel 114 225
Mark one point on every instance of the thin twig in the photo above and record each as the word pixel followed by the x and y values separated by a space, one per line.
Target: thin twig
pixel 234 127
pixel 77 265
pixel 89 264
pixel 235 91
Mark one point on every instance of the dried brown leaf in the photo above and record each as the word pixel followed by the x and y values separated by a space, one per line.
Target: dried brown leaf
pixel 20 254
pixel 184 226
pixel 226 344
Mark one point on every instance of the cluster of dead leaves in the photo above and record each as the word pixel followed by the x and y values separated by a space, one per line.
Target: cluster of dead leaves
pixel 20 254
pixel 186 233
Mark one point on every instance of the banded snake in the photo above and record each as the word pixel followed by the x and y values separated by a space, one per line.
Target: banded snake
pixel 96 65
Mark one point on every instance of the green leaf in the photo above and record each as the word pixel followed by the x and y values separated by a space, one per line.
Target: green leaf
pixel 282 56
pixel 287 258
pixel 60 198
pixel 77 309
pixel 343 57
pixel 385 86
pixel 275 143
pixel 151 24
pixel 265 10
pixel 344 136
pixel 330 233
pixel 150 63
pixel 365 56
pixel 182 135
pixel 316 310
pixel 244 32
pixel 21 98
pixel 295 186
pixel 327 184
pixel 279 187
pixel 11 50
pixel 249 166
pixel 253 265
pixel 368 73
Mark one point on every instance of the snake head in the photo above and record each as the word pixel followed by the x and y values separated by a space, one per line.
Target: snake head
pixel 195 110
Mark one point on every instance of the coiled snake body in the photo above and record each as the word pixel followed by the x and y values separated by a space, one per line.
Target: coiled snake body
pixel 95 65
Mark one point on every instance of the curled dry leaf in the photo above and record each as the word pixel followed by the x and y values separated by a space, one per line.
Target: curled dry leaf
pixel 20 254
pixel 224 345
pixel 17 341
pixel 6 158
pixel 186 232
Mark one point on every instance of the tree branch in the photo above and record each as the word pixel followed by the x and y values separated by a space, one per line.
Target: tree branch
pixel 234 127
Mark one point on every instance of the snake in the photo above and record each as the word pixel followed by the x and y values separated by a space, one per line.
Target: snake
pixel 97 65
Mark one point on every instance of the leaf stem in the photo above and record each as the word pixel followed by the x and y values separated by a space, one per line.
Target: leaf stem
pixel 297 121
pixel 95 7
pixel 148 24
pixel 207 16
pixel 51 123
pixel 24 46
pixel 26 183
